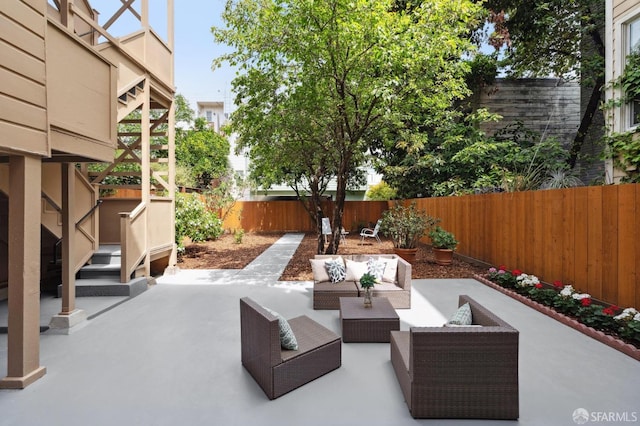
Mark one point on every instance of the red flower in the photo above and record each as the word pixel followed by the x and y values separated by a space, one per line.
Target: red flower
pixel 538 285
pixel 516 272
pixel 558 284
pixel 502 268
pixel 586 301
pixel 611 310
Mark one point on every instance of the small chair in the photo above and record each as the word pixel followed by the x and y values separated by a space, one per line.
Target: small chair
pixel 279 370
pixel 370 233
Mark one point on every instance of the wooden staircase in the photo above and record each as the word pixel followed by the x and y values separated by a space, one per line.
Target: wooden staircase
pixel 101 276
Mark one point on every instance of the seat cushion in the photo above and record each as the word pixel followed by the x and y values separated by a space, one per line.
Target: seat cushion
pixel 310 335
pixel 328 286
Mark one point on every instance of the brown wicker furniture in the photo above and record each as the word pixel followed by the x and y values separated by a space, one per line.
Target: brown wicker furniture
pixel 279 370
pixel 459 372
pixel 374 324
pixel 326 295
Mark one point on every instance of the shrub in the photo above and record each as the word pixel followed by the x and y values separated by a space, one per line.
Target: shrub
pixel 194 220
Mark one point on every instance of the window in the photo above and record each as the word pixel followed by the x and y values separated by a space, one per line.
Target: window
pixel 209 115
pixel 633 45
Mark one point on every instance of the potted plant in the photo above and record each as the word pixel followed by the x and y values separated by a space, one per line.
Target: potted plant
pixel 443 243
pixel 366 282
pixel 405 225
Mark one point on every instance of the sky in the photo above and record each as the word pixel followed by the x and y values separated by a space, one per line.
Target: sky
pixel 195 50
pixel 194 47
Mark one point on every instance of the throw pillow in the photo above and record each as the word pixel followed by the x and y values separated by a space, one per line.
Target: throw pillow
pixel 390 269
pixel 376 268
pixel 319 270
pixel 462 316
pixel 336 270
pixel 355 270
pixel 287 338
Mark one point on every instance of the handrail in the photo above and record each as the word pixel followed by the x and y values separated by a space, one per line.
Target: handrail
pixel 51 202
pixel 87 214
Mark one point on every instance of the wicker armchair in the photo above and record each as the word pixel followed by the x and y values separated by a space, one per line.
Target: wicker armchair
pixel 459 372
pixel 279 370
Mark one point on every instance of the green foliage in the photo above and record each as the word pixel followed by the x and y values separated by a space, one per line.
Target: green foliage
pixel 238 234
pixel 624 147
pixel 195 220
pixel 203 152
pixel 442 239
pixel 559 178
pixel 630 78
pixel 456 158
pixel 318 78
pixel 406 225
pixel 367 280
pixel 381 192
pixel 546 37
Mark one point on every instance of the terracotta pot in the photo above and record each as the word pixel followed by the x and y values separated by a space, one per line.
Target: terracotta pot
pixel 443 256
pixel 407 254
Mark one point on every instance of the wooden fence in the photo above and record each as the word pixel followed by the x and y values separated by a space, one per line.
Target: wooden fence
pixel 290 216
pixel 588 237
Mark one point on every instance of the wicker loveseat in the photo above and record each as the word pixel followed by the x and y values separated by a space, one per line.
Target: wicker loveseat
pixel 459 372
pixel 397 288
pixel 279 370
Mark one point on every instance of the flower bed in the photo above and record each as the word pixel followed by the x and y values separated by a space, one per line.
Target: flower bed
pixel 612 325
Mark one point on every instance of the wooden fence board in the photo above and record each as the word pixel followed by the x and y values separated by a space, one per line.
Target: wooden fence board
pixel 595 244
pixel 568 235
pixel 609 242
pixel 627 241
pixel 581 234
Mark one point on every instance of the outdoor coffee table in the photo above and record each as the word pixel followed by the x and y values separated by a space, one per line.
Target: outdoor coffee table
pixel 360 324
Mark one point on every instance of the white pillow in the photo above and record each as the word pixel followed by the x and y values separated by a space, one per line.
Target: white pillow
pixel 319 270
pixel 355 270
pixel 390 270
pixel 376 268
pixel 336 269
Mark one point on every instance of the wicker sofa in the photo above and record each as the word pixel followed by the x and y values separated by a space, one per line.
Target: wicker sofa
pixel 326 294
pixel 459 372
pixel 279 370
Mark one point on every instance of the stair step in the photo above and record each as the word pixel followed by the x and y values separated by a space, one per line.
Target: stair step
pixel 108 287
pixel 98 270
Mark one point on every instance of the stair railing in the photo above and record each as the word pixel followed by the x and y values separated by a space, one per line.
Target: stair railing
pixel 133 240
pixel 89 213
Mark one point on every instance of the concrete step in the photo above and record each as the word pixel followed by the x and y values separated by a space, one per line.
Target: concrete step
pixel 107 254
pixel 99 270
pixel 108 287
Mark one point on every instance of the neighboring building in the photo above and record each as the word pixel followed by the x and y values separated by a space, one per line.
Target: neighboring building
pixel 548 106
pixel 622 36
pixel 217 116
pixel 67 84
pixel 551 107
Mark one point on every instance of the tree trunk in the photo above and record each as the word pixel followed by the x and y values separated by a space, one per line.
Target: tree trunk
pixel 585 123
pixel 338 212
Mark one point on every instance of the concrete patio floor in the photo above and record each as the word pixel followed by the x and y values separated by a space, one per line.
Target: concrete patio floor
pixel 172 356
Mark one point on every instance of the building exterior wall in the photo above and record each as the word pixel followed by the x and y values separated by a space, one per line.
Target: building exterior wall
pixel 23 100
pixel 619 14
pixel 551 107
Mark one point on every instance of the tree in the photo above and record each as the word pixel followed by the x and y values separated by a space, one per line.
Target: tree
pixel 204 152
pixel 316 78
pixel 554 37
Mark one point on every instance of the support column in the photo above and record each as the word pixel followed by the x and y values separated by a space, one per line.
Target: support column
pixel 23 340
pixel 145 154
pixel 69 316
